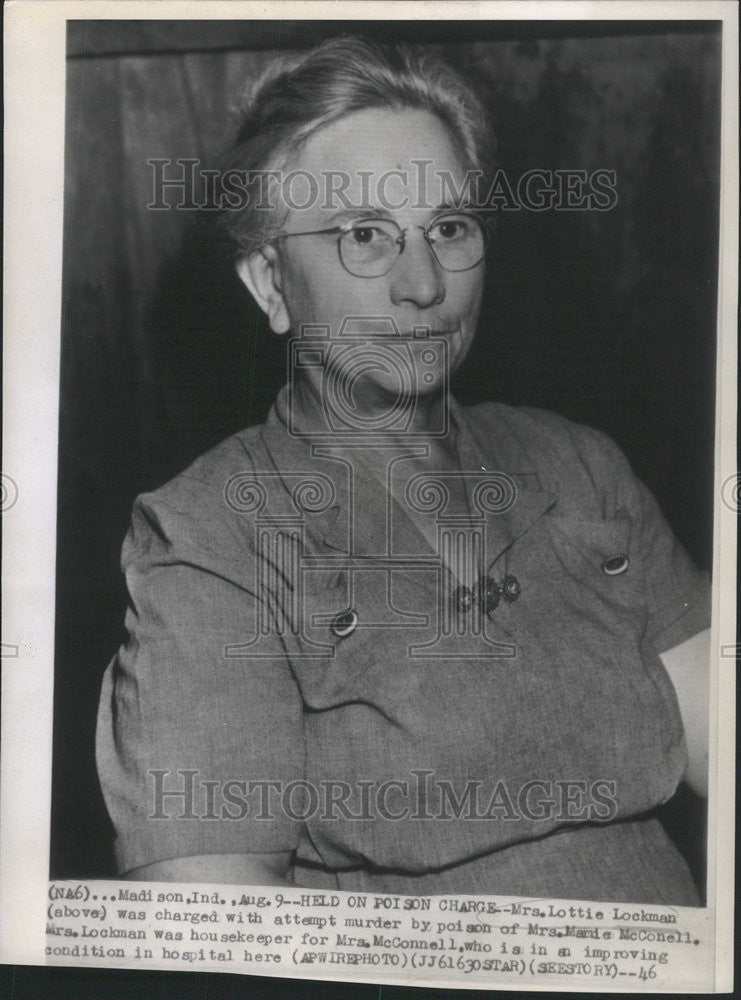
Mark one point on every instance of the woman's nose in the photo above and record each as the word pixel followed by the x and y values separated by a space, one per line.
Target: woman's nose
pixel 416 276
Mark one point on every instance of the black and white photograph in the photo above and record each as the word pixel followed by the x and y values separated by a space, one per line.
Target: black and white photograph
pixel 389 495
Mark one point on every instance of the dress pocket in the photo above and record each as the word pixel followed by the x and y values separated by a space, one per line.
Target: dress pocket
pixel 600 555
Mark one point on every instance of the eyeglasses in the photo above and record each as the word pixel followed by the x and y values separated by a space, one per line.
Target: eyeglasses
pixel 369 248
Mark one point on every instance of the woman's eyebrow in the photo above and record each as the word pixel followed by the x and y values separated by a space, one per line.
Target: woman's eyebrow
pixel 375 212
pixel 449 206
pixel 359 212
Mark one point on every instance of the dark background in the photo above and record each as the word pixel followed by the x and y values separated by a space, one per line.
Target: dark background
pixel 608 318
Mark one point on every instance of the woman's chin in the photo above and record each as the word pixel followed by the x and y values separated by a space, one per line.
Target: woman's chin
pixel 431 383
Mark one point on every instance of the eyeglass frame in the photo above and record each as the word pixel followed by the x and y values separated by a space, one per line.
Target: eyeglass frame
pixel 400 241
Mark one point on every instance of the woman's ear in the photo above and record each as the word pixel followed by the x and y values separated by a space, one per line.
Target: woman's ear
pixel 260 272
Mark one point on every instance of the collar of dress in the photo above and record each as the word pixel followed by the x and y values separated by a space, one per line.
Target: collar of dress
pixel 346 509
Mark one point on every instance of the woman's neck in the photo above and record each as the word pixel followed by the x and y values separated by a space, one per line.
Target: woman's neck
pixel 391 424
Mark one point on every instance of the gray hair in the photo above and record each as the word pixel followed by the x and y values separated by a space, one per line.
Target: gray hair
pixel 299 94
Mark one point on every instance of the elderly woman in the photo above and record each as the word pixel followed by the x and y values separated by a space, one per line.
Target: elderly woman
pixel 383 642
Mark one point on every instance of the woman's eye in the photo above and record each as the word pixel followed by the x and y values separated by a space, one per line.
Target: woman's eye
pixel 364 234
pixel 449 229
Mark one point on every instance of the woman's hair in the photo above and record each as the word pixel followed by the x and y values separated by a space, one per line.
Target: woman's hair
pixel 297 95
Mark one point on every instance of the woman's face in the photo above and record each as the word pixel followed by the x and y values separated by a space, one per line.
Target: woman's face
pixel 361 149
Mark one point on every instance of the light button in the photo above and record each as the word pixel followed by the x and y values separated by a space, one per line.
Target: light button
pixel 344 624
pixel 615 565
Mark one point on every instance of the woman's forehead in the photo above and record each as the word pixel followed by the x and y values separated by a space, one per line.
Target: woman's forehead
pixel 380 157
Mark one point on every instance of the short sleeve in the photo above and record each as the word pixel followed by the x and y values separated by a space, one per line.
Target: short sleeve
pixel 191 733
pixel 678 595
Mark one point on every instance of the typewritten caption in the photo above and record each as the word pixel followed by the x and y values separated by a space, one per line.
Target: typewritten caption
pixel 309 934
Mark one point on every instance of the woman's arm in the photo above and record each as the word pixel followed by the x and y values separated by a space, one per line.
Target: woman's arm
pixel 676 593
pixel 187 734
pixel 688 666
pixel 233 869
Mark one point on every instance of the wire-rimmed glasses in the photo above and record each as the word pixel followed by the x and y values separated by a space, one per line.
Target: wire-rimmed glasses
pixel 369 247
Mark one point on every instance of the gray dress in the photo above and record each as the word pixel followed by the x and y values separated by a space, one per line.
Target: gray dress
pixel 302 673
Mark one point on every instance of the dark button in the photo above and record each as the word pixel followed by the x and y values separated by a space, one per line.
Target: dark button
pixel 463 599
pixel 615 565
pixel 511 588
pixel 344 624
pixel 489 593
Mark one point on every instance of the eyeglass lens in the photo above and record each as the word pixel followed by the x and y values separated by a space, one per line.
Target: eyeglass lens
pixel 370 247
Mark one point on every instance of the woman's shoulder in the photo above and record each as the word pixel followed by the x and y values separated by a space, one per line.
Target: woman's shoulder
pixel 211 473
pixel 562 452
pixel 537 428
pixel 203 506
